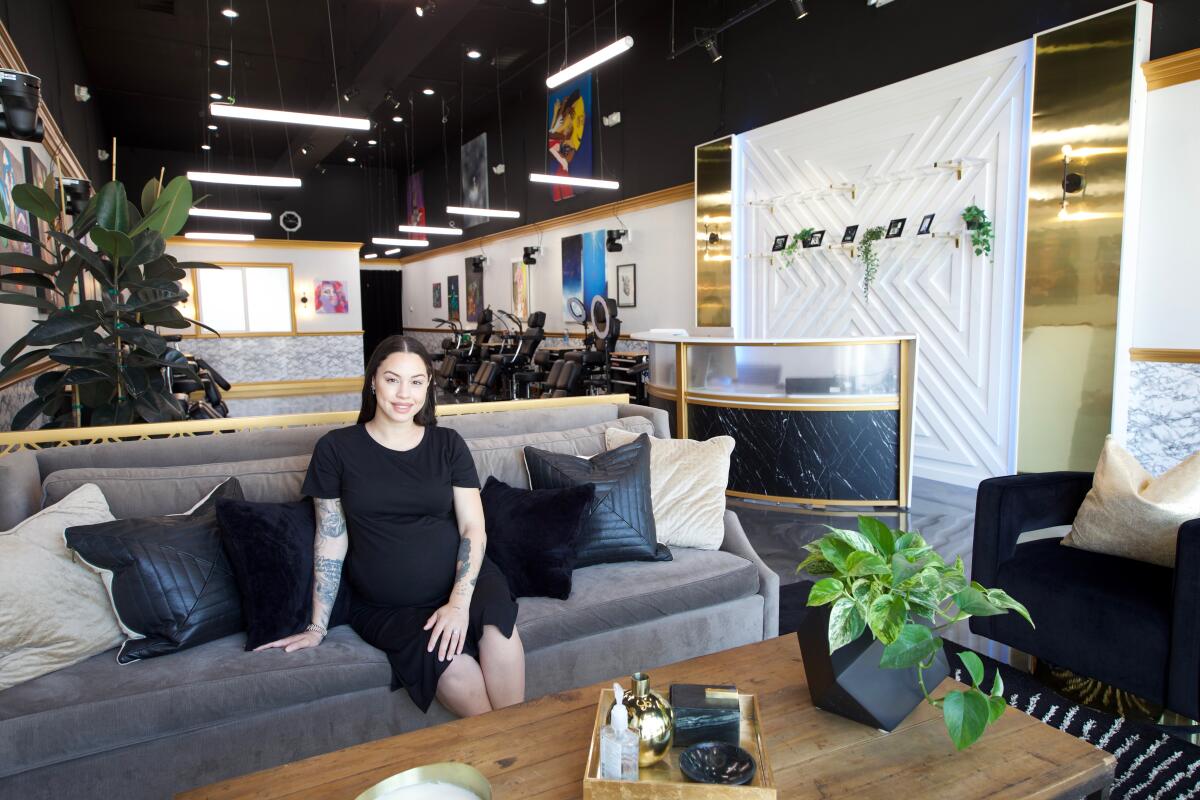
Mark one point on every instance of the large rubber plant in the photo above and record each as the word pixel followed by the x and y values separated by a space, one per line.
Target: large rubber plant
pixel 109 359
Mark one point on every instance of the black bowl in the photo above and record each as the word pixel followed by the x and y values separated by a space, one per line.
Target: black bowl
pixel 717 762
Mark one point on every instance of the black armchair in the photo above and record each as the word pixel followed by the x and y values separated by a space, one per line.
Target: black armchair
pixel 1133 625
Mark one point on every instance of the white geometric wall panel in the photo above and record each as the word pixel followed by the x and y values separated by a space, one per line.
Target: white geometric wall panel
pixel 965 309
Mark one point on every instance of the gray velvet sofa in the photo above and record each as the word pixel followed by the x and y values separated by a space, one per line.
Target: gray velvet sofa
pixel 153 728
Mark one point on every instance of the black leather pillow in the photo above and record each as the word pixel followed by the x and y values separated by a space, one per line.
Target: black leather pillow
pixel 170 579
pixel 270 547
pixel 620 523
pixel 532 534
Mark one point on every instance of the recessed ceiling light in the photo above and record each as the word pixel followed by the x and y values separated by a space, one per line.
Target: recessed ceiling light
pixel 214 95
pixel 427 91
pixel 351 159
pixel 473 53
pixel 372 141
pixel 221 62
pixel 206 147
pixel 538 2
pixel 397 119
pixel 212 127
pixel 229 12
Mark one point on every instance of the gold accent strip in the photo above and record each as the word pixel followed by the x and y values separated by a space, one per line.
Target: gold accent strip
pixel 661 393
pixel 32 371
pixel 810 500
pixel 894 405
pixel 375 262
pixel 1167 355
pixel 245 391
pixel 817 400
pixel 269 333
pixel 1172 70
pixel 301 244
pixel 14 441
pixel 650 200
pixel 681 411
pixel 908 388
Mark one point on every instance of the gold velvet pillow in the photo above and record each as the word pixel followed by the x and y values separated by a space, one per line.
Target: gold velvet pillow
pixel 1131 514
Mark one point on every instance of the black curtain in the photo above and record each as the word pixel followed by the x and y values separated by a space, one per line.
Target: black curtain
pixel 382 307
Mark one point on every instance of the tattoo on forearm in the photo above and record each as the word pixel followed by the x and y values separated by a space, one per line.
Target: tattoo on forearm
pixel 331 522
pixel 328 576
pixel 464 559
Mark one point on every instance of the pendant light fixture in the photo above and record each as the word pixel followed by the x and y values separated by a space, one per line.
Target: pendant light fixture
pixel 400 242
pixel 429 229
pixel 567 180
pixel 483 212
pixel 243 180
pixel 223 237
pixel 289 117
pixel 228 214
pixel 594 60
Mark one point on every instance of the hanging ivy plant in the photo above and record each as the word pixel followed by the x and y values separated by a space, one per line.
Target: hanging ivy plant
pixel 796 242
pixel 982 234
pixel 868 256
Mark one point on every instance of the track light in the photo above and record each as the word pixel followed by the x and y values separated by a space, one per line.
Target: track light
pixel 390 97
pixel 798 9
pixel 349 94
pixel 304 148
pixel 710 47
pixel 425 8
pixel 530 253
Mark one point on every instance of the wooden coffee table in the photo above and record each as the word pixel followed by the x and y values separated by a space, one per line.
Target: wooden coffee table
pixel 539 749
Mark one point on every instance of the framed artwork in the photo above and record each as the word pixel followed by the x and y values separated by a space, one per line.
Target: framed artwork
pixel 437 295
pixel 520 289
pixel 815 238
pixel 414 203
pixel 626 285
pixel 474 290
pixel 926 225
pixel 569 132
pixel 12 173
pixel 780 243
pixel 36 172
pixel 895 228
pixel 473 174
pixel 848 236
pixel 330 298
pixel 452 297
pixel 583 269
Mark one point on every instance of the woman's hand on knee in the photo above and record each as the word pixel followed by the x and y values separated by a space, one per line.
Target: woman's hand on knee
pixel 449 624
pixel 298 641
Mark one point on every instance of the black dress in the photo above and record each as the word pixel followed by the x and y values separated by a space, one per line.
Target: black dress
pixel 404 539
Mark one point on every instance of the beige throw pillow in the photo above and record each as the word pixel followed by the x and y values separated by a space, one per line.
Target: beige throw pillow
pixel 1131 514
pixel 53 611
pixel 687 487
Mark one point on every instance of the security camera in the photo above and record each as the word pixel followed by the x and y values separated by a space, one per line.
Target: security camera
pixel 19 94
pixel 613 240
pixel 530 252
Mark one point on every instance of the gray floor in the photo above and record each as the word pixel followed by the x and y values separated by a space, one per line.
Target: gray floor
pixel 944 515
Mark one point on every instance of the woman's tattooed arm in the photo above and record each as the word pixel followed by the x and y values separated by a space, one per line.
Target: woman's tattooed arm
pixel 329 553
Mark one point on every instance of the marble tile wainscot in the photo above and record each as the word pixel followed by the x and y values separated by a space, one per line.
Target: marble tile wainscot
pixel 255 359
pixel 1164 413
pixel 12 399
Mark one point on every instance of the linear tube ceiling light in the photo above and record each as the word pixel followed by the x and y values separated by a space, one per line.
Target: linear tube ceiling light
pixel 391 252
pixel 428 229
pixel 225 237
pixel 483 212
pixel 371 255
pixel 228 214
pixel 242 180
pixel 293 117
pixel 567 180
pixel 401 242
pixel 595 59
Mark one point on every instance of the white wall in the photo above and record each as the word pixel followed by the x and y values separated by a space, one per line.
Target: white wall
pixel 964 309
pixel 662 246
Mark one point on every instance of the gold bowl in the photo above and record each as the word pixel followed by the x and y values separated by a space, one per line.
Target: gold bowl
pixel 454 773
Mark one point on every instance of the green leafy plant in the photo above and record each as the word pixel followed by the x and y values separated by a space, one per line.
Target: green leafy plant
pixel 795 244
pixel 105 345
pixel 888 581
pixel 868 256
pixel 982 234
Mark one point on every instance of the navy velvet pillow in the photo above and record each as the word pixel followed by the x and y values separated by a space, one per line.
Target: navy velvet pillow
pixel 270 548
pixel 532 534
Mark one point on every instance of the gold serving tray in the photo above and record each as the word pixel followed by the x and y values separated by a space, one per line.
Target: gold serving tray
pixel 665 781
pixel 452 772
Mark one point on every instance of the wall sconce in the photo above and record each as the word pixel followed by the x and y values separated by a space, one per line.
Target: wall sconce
pixel 303 299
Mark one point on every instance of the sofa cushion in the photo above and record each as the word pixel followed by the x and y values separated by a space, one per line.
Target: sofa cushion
pixel 156 491
pixel 99 705
pixel 502 457
pixel 608 596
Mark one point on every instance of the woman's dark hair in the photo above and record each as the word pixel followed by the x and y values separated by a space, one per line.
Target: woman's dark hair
pixel 398 344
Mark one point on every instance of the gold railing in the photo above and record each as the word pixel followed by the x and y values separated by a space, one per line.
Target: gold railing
pixel 16 441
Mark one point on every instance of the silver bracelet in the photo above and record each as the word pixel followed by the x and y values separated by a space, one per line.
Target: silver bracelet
pixel 315 628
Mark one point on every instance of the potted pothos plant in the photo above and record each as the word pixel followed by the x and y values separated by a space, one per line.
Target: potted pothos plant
pixel 887 594
pixel 868 256
pixel 980 227
pixel 109 359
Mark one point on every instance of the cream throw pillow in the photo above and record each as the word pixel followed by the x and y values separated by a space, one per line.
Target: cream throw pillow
pixel 687 487
pixel 1131 514
pixel 53 611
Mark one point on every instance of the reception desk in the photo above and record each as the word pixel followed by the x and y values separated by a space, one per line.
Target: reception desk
pixel 818 421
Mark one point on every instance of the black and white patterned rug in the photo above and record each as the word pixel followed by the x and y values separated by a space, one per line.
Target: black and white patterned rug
pixel 1151 765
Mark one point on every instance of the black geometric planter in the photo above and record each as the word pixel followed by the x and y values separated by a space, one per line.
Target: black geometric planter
pixel 850 682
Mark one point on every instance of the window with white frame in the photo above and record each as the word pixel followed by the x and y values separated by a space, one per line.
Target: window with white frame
pixel 245 298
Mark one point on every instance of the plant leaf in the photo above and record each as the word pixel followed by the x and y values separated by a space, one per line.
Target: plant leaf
pixel 147 246
pixel 966 715
pixel 13 349
pixel 150 193
pixel 28 262
pixel 27 414
pixel 845 623
pixel 903 569
pixel 62 326
pixel 77 354
pixel 973 665
pixel 149 341
pixel 48 383
pixel 1001 599
pixel 82 375
pixel 879 534
pixel 853 538
pixel 835 551
pixel 996 707
pixel 824 591
pixel 112 208
pixel 997 685
pixel 8 232
pixel 913 645
pixel 865 563
pixel 28 300
pixel 21 362
pixel 170 211
pixel 197 265
pixel 34 200
pixel 886 617
pixel 88 255
pixel 65 280
pixel 115 243
pixel 972 601
pixel 28 279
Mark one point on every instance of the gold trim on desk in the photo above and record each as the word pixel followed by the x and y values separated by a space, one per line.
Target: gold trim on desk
pixel 681 412
pixel 1172 70
pixel 301 244
pixel 810 500
pixel 845 400
pixel 743 405
pixel 1165 354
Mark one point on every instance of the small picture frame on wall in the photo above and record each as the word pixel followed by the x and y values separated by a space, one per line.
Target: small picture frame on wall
pixel 848 236
pixel 780 243
pixel 814 239
pixel 437 295
pixel 626 285
pixel 895 228
pixel 926 225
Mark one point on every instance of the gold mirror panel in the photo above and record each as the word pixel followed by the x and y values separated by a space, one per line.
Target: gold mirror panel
pixel 1079 138
pixel 714 233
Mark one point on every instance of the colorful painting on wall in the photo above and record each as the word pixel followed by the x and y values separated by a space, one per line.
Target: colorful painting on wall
pixel 437 295
pixel 520 290
pixel 12 172
pixel 583 269
pixel 331 298
pixel 569 132
pixel 473 172
pixel 474 290
pixel 452 297
pixel 414 203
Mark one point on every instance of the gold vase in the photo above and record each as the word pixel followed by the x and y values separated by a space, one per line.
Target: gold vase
pixel 652 717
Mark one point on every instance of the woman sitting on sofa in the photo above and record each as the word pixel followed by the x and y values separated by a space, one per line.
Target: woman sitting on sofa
pixel 397 498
